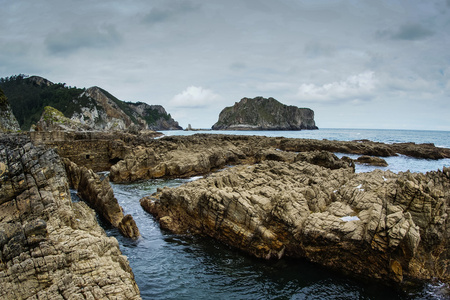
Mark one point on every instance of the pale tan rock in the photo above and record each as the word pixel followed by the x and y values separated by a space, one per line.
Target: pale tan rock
pixel 51 248
pixel 379 224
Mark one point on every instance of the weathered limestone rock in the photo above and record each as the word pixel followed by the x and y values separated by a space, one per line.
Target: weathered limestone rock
pixel 54 120
pixel 51 248
pixel 393 228
pixel 99 193
pixel 199 154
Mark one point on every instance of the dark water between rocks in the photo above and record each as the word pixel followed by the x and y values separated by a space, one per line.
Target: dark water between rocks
pixel 167 266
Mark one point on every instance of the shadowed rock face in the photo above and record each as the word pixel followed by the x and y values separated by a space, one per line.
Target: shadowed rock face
pixel 389 227
pixel 99 194
pixel 8 122
pixel 264 114
pixel 51 248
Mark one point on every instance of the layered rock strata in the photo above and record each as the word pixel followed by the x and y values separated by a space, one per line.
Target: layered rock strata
pixel 99 194
pixel 388 227
pixel 201 153
pixel 50 247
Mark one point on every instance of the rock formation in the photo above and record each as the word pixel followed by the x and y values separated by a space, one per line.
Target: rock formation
pixel 201 153
pixel 264 114
pixel 8 122
pixel 51 247
pixel 54 120
pixel 99 194
pixel 93 108
pixel 380 225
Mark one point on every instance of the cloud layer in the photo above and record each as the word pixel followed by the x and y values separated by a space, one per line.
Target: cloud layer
pixel 353 62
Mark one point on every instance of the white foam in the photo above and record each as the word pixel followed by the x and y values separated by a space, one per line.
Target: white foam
pixel 350 218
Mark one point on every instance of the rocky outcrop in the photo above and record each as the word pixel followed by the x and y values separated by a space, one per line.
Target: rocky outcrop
pixel 264 114
pixel 199 154
pixel 99 194
pixel 96 150
pixel 54 120
pixel 371 160
pixel 92 108
pixel 51 247
pixel 380 225
pixel 154 117
pixel 8 122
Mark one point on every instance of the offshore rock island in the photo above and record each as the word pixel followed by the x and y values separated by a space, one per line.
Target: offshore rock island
pixel 264 114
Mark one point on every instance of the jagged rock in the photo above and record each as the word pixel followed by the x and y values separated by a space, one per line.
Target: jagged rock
pixel 325 159
pixel 54 120
pixel 389 227
pixel 8 122
pixel 199 154
pixel 99 194
pixel 264 114
pixel 50 247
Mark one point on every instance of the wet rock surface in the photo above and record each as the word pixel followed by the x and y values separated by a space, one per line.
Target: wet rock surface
pixel 385 226
pixel 50 247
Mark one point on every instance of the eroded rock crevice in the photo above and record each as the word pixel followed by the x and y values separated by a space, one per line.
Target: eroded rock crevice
pixel 49 246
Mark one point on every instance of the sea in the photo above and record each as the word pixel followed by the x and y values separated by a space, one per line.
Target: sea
pixel 169 266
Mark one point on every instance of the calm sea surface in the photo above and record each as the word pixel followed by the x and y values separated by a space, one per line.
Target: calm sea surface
pixel 167 266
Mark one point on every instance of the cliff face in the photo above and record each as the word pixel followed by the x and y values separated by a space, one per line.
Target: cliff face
pixel 92 108
pixel 8 122
pixel 264 114
pixel 51 247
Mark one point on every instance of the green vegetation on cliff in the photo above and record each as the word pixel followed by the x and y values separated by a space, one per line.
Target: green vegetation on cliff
pixel 264 114
pixel 28 97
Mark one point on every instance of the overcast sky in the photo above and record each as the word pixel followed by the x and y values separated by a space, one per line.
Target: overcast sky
pixel 357 64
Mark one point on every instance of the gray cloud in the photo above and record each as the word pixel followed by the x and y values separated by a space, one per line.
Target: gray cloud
pixel 409 32
pixel 169 10
pixel 181 52
pixel 82 37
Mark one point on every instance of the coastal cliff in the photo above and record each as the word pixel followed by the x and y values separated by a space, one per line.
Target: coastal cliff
pixel 87 109
pixel 264 114
pixel 51 247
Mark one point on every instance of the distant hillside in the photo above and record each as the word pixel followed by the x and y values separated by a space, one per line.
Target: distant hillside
pixel 264 114
pixel 93 107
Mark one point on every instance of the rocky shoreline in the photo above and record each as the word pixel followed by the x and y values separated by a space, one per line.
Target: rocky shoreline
pixel 273 197
pixel 51 247
pixel 379 225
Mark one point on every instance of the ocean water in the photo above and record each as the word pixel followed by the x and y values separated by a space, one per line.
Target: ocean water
pixel 168 266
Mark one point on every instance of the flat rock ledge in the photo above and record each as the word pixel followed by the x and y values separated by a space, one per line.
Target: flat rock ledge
pixel 380 225
pixel 50 247
pixel 185 156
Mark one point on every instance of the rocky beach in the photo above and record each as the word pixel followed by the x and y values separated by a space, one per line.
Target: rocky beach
pixel 271 197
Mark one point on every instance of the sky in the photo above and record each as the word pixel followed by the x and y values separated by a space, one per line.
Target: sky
pixel 358 64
